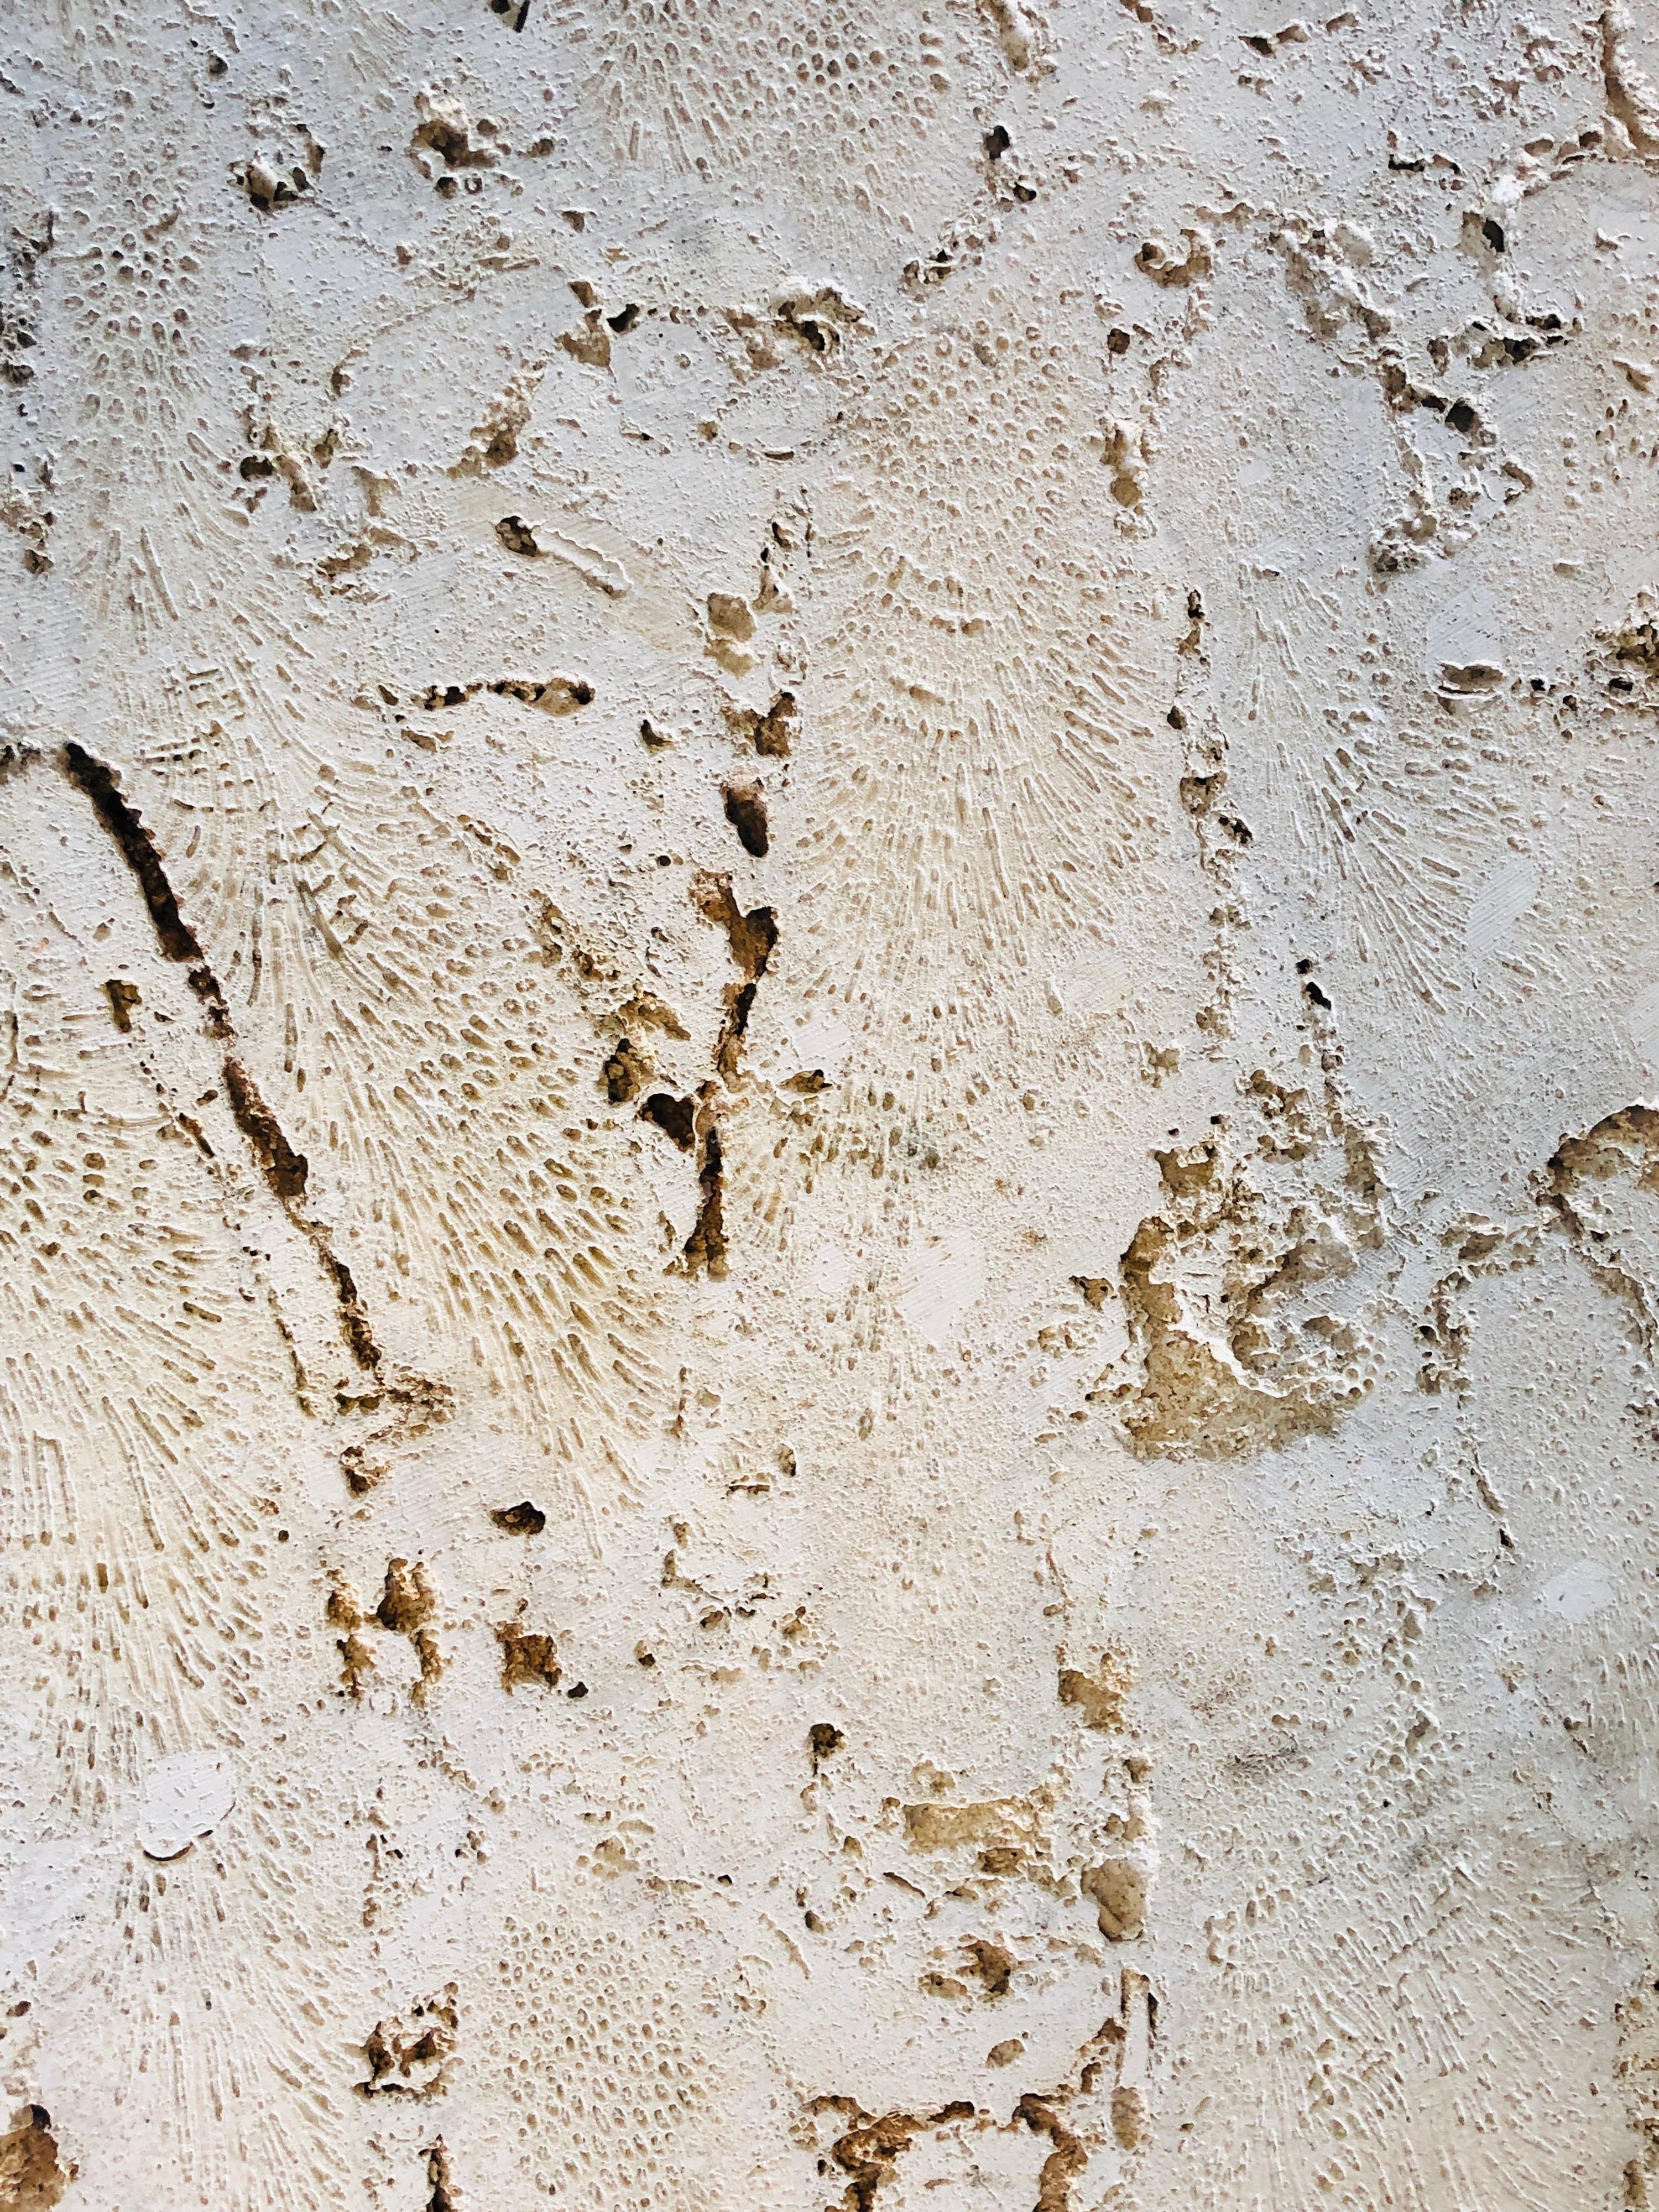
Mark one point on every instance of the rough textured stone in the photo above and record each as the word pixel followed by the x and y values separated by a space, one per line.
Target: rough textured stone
pixel 829 1107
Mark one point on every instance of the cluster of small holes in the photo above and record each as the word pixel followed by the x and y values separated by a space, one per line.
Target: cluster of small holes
pixel 601 2072
pixel 728 84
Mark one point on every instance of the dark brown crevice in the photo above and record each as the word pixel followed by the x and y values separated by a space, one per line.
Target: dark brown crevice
pixel 362 1471
pixel 705 1248
pixel 451 141
pixel 740 1005
pixel 517 536
pixel 527 1656
pixel 626 1073
pixel 869 2151
pixel 431 1661
pixel 139 848
pixel 418 1400
pixel 746 810
pixel 1099 1696
pixel 356 1664
pixel 589 343
pixel 1064 2162
pixel 285 1170
pixel 524 1519
pixel 123 997
pixel 355 1325
pixel 554 695
pixel 409 1599
pixel 439 2178
pixel 751 938
pixel 993 1964
pixel 345 1611
pixel 769 733
pixel 675 1117
pixel 33 2176
pixel 823 1740
pixel 558 694
pixel 418 2050
pixel 193 1129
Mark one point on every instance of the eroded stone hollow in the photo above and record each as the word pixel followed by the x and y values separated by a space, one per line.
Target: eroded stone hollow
pixel 829 1107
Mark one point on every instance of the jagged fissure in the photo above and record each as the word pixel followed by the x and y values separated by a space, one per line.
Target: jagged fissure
pixel 414 1401
pixel 283 1168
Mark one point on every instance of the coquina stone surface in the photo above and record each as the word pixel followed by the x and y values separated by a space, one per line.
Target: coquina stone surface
pixel 828 1106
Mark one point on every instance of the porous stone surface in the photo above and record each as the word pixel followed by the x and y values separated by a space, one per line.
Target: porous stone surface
pixel 828 1106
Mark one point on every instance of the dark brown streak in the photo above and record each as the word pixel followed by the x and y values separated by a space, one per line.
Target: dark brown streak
pixel 869 2149
pixel 705 1248
pixel 285 1170
pixel 139 848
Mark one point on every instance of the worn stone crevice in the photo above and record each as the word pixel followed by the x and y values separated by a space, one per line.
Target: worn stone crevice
pixel 33 2175
pixel 440 2183
pixel 137 845
pixel 869 2150
pixel 1092 2102
pixel 415 1400
pixel 751 938
pixel 704 1250
pixel 1237 1346
pixel 1632 98
pixel 1621 1146
pixel 1064 2161
pixel 284 1168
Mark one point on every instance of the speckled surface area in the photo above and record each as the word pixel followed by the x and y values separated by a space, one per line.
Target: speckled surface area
pixel 829 1107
